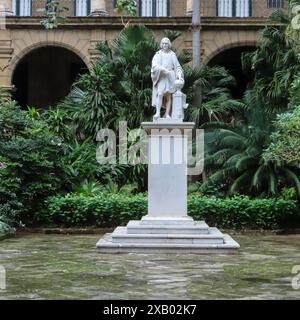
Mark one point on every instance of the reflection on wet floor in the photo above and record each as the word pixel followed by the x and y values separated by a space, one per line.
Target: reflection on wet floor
pixel 69 267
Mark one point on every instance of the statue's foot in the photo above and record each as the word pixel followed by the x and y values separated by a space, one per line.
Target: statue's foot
pixel 157 115
pixel 168 117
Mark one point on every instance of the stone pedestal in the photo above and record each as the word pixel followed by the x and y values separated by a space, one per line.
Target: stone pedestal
pixel 178 106
pixel 167 228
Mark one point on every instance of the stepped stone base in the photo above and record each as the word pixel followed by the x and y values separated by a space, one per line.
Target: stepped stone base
pixel 167 236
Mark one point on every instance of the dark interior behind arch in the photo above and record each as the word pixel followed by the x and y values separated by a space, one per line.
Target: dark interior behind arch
pixel 45 75
pixel 231 60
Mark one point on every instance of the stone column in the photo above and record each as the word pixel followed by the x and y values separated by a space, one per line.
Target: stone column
pixel 98 8
pixel 189 7
pixel 6 7
pixel 6 52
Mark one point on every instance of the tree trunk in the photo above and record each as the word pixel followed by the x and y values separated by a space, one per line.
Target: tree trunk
pixel 196 30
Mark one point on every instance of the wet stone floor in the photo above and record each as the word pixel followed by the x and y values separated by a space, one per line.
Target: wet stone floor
pixel 42 266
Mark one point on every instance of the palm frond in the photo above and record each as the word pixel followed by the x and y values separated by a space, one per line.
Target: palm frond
pixel 293 178
pixel 240 183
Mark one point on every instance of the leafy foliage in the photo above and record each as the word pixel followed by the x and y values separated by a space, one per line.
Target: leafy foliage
pixel 92 102
pixel 275 63
pixel 216 101
pixel 35 163
pixel 236 160
pixel 106 210
pixel 235 157
pixel 53 14
pixel 285 141
pixel 30 161
pixel 59 122
pixel 126 6
pixel 5 230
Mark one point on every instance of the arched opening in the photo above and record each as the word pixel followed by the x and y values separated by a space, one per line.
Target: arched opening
pixel 231 59
pixel 45 75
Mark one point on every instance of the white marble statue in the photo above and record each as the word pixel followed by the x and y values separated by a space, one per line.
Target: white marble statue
pixel 165 71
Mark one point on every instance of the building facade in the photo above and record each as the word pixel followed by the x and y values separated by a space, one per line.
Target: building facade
pixel 26 47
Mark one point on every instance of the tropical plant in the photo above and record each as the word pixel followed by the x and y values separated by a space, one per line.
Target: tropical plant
pixel 5 229
pixel 30 168
pixel 295 91
pixel 276 61
pixel 129 60
pixel 89 188
pixel 58 121
pixel 10 207
pixel 4 95
pixel 126 7
pixel 35 163
pixel 92 103
pixel 79 161
pixel 289 193
pixel 235 159
pixel 118 86
pixel 33 113
pixel 285 140
pixel 53 14
pixel 217 103
pixel 113 188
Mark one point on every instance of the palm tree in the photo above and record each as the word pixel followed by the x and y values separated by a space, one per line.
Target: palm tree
pixel 217 103
pixel 235 156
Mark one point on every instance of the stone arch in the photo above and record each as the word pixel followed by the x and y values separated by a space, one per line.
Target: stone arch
pixel 231 45
pixel 18 58
pixel 42 74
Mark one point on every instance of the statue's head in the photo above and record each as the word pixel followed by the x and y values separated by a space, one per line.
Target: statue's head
pixel 165 44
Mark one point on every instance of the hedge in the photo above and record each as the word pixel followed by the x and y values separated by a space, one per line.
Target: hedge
pixel 107 210
pixel 5 230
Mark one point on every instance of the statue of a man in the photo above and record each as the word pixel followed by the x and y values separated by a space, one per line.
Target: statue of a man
pixel 165 70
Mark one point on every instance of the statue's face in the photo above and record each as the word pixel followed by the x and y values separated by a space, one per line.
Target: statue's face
pixel 165 45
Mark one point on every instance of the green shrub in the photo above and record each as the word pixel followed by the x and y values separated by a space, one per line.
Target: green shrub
pixel 30 168
pixel 241 212
pixel 103 210
pixel 5 229
pixel 106 210
pixel 35 164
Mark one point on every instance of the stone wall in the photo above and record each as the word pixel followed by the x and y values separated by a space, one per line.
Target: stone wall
pixel 16 41
pixel 259 8
pixel 177 8
pixel 208 8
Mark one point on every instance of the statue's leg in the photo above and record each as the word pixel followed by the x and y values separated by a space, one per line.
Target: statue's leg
pixel 168 105
pixel 160 97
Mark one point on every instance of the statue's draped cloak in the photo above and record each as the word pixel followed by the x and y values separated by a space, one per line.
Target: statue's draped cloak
pixel 164 83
